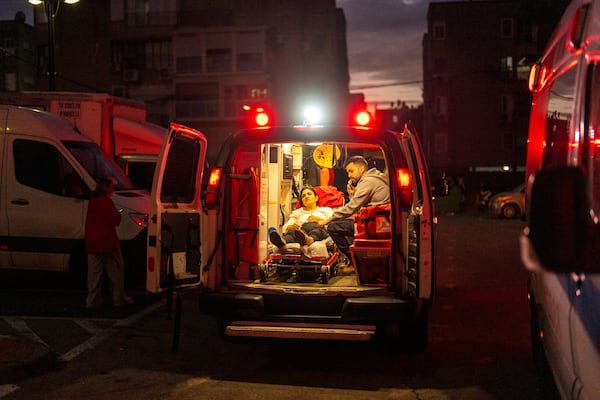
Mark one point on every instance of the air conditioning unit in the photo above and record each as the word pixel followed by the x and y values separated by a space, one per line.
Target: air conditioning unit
pixel 131 75
pixel 165 73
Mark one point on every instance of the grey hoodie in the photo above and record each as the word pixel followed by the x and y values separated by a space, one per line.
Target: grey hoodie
pixel 372 188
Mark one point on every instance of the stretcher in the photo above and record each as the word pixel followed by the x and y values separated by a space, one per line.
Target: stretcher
pixel 299 264
pixel 306 263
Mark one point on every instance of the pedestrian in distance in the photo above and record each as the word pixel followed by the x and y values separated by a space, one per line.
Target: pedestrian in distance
pixel 103 247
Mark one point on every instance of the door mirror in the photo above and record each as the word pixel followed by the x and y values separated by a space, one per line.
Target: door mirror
pixel 560 228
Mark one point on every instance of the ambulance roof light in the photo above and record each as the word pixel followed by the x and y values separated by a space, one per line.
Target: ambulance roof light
pixel 312 115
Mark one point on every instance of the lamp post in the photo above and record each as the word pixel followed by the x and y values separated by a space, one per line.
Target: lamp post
pixel 51 9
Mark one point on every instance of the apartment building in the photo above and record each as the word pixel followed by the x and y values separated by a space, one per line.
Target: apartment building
pixel 197 62
pixel 476 61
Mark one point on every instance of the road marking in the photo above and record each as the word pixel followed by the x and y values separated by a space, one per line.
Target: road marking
pixel 103 334
pixel 24 330
pixel 5 390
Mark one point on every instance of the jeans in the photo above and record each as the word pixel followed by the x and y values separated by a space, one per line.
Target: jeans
pixel 340 231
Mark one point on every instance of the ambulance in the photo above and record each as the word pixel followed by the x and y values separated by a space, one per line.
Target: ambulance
pixel 211 228
pixel 561 243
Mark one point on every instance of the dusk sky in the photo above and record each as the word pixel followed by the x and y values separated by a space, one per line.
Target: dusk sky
pixel 384 39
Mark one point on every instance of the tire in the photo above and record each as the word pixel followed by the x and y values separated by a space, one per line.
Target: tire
pixel 409 334
pixel 510 211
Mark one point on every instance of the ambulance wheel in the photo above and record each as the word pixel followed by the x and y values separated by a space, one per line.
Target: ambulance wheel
pixel 509 211
pixel 408 334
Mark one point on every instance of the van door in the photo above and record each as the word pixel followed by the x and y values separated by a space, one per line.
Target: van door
pixel 421 243
pixel 45 205
pixel 173 253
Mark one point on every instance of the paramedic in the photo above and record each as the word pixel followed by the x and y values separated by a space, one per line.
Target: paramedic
pixel 303 226
pixel 365 187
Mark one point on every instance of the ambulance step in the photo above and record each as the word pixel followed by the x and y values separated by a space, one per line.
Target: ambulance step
pixel 300 330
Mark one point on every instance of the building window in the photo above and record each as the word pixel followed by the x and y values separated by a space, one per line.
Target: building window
pixel 197 100
pixel 218 60
pixel 523 69
pixel 189 65
pixel 507 28
pixel 158 55
pixel 507 107
pixel 439 30
pixel 250 49
pixel 506 64
pixel 440 106
pixel 238 95
pixel 440 143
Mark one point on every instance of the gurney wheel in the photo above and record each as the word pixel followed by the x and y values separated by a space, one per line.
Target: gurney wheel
pixel 324 274
pixel 263 273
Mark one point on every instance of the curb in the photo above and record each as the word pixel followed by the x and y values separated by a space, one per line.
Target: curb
pixel 23 358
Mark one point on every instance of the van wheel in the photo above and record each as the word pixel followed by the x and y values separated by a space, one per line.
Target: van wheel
pixel 509 211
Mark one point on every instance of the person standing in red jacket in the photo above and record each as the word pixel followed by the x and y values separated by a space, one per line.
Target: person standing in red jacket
pixel 103 247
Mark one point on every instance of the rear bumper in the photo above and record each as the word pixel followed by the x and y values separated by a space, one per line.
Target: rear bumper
pixel 298 308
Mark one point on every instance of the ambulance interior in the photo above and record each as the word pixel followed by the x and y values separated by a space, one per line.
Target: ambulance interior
pixel 267 183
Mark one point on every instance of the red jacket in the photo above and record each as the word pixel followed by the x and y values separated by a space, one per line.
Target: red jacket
pixel 102 219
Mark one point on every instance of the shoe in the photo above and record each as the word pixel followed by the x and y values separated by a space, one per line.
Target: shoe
pixel 343 261
pixel 276 239
pixel 303 238
pixel 126 301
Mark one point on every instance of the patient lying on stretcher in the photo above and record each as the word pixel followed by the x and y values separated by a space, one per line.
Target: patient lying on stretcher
pixel 303 225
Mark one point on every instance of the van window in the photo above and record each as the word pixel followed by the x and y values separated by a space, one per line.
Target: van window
pixel 41 166
pixel 180 174
pixel 558 119
pixel 91 157
pixel 593 138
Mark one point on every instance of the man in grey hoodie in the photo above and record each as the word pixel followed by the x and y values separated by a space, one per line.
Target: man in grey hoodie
pixel 365 187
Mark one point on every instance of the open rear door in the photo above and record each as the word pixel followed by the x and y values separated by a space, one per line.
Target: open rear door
pixel 173 255
pixel 422 218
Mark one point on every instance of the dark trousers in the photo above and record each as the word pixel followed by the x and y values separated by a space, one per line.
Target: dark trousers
pixel 312 229
pixel 340 231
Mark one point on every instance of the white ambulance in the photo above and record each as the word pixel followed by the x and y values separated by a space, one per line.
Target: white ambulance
pixel 561 244
pixel 212 228
pixel 48 172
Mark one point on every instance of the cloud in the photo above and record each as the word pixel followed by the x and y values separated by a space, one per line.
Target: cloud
pixel 384 39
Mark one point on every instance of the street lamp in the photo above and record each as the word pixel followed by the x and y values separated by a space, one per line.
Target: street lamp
pixel 51 9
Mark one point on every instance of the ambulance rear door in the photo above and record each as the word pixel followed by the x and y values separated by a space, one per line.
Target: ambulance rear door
pixel 421 219
pixel 174 225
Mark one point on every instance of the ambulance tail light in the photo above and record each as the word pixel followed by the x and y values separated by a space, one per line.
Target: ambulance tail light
pixel 404 183
pixel 212 189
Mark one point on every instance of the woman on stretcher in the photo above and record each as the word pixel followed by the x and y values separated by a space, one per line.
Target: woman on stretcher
pixel 303 225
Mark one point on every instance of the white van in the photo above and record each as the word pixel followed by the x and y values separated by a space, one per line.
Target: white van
pixel 48 172
pixel 561 244
pixel 218 236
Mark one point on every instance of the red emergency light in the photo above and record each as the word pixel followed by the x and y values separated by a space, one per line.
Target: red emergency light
pixel 404 181
pixel 212 189
pixel 363 118
pixel 258 116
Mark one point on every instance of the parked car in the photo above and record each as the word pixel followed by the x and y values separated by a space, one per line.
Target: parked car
pixel 510 204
